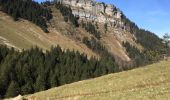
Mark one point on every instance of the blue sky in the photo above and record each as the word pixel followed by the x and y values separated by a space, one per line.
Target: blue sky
pixel 152 15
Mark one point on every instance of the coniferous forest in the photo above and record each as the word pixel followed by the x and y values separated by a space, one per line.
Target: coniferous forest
pixel 146 38
pixel 153 45
pixel 67 14
pixel 27 9
pixel 32 70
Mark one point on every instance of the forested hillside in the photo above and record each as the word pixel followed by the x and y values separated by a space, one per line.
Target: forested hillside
pixel 32 70
pixel 150 82
pixel 146 38
pixel 27 9
pixel 153 45
pixel 87 49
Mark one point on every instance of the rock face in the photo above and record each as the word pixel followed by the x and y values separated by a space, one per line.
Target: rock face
pixel 95 11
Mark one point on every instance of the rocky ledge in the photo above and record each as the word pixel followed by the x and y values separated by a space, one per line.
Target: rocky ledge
pixel 96 11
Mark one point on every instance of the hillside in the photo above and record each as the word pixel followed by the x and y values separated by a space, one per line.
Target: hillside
pixel 59 42
pixel 69 24
pixel 150 83
pixel 29 35
pixel 61 33
pixel 24 35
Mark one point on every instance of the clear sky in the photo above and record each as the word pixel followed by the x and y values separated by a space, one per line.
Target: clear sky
pixel 152 15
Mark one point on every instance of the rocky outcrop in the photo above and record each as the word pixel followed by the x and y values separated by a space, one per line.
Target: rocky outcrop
pixel 96 11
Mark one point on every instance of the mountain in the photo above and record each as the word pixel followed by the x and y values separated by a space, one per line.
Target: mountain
pixel 114 29
pixel 64 41
pixel 150 82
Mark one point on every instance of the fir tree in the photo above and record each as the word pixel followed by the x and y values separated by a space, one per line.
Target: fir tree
pixel 13 90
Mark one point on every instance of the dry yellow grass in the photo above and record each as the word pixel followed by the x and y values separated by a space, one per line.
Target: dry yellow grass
pixel 115 47
pixel 24 35
pixel 151 82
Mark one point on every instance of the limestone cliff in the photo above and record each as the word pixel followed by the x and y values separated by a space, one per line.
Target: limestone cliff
pixel 96 11
pixel 101 13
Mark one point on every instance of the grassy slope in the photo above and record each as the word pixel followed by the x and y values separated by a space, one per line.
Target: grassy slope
pixel 149 83
pixel 24 35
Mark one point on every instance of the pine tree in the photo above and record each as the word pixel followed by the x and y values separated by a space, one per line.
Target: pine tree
pixel 13 89
pixel 27 88
pixel 54 81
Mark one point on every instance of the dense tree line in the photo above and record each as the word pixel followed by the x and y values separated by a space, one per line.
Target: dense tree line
pixel 89 27
pixel 135 54
pixel 153 45
pixel 96 46
pixel 67 14
pixel 32 70
pixel 166 40
pixel 27 9
pixel 147 39
pixel 141 57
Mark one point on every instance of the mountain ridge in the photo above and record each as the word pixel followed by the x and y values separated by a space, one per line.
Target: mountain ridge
pixel 58 45
pixel 66 20
pixel 95 11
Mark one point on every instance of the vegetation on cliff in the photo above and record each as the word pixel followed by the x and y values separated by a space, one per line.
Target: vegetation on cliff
pixel 27 9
